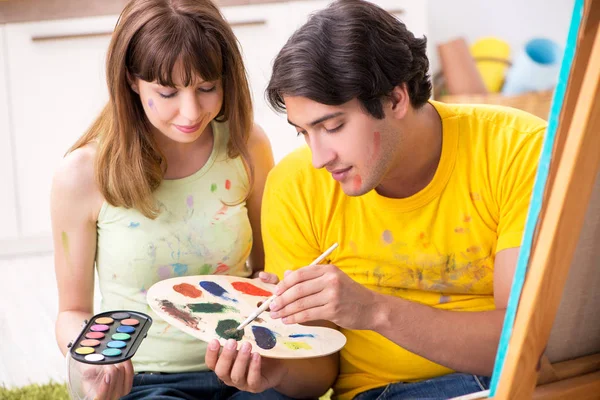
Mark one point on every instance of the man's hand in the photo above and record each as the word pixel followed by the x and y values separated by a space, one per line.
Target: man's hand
pixel 323 292
pixel 243 369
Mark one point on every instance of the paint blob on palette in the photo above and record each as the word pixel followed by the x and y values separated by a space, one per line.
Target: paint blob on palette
pixel 111 337
pixel 212 306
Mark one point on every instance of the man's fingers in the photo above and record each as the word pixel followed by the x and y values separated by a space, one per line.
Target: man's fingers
pixel 313 300
pixel 300 275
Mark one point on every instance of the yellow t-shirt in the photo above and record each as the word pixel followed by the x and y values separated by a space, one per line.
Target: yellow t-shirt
pixel 436 247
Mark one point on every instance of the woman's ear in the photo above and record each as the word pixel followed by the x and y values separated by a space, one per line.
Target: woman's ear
pixel 132 83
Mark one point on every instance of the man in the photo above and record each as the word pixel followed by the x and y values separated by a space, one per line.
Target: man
pixel 427 201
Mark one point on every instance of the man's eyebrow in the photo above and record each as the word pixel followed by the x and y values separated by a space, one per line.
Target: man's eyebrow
pixel 319 120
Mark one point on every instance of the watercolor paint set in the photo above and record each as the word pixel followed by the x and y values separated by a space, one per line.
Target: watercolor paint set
pixel 110 337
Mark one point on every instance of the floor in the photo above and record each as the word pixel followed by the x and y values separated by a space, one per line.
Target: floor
pixel 28 307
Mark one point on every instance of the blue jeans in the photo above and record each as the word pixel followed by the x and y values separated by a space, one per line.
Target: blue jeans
pixel 191 386
pixel 443 387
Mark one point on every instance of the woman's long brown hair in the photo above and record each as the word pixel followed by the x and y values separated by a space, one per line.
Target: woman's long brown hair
pixel 149 38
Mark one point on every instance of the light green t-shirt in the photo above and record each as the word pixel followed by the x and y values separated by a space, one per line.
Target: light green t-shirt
pixel 196 233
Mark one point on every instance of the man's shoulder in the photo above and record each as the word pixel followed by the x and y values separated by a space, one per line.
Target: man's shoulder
pixel 493 117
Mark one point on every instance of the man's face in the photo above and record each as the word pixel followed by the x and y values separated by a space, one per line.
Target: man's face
pixel 356 148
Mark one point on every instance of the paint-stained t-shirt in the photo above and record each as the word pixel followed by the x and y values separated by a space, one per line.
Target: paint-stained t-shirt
pixel 436 247
pixel 196 233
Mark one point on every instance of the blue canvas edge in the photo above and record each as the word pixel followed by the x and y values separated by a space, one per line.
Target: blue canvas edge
pixel 537 195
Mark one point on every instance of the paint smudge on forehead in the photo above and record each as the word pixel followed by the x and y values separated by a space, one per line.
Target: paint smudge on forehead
pixel 216 290
pixel 182 315
pixel 250 289
pixel 265 338
pixel 211 308
pixel 188 290
pixel 227 329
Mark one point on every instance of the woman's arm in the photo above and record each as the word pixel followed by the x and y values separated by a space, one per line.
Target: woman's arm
pixel 75 203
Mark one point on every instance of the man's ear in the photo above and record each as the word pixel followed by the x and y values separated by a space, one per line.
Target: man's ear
pixel 132 83
pixel 400 100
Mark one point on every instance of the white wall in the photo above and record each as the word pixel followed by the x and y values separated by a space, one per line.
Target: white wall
pixel 514 21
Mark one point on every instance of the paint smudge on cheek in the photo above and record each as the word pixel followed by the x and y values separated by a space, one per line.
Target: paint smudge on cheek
pixel 179 314
pixel 211 308
pixel 151 104
pixel 216 290
pixel 250 289
pixel 265 338
pixel 357 182
pixel 387 236
pixel 297 345
pixel 188 290
pixel 227 329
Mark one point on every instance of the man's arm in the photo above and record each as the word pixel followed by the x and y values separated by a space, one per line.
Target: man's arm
pixel 463 341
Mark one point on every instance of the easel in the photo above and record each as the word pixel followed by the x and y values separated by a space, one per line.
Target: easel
pixel 570 178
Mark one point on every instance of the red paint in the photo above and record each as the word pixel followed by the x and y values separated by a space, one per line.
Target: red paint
pixel 221 268
pixel 357 182
pixel 250 289
pixel 376 144
pixel 220 213
pixel 227 184
pixel 188 290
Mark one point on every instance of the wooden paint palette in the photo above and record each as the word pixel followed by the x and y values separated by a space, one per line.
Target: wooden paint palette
pixel 206 306
pixel 111 337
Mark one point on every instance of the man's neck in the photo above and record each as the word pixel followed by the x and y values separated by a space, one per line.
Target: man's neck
pixel 419 156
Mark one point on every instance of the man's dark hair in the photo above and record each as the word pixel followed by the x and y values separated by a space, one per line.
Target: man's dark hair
pixel 350 49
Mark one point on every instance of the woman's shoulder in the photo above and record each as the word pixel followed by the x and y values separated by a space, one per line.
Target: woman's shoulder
pixel 74 178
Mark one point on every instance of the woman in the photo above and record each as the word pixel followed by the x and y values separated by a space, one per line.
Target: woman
pixel 166 182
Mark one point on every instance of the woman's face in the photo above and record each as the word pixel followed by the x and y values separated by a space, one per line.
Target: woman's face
pixel 182 113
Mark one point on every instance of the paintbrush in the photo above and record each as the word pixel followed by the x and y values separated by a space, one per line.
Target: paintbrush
pixel 267 302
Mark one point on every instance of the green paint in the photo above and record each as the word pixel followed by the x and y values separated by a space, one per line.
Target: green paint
pixel 206 269
pixel 226 329
pixel 298 345
pixel 213 187
pixel 211 308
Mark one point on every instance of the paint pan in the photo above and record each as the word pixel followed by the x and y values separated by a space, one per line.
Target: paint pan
pixel 110 337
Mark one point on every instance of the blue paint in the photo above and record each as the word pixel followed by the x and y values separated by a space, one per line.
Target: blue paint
pixel 116 344
pixel 125 329
pixel 297 335
pixel 536 197
pixel 179 269
pixel 216 290
pixel 265 338
pixel 133 224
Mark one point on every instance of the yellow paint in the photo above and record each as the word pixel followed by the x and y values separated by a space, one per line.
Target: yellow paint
pixel 297 345
pixel 84 350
